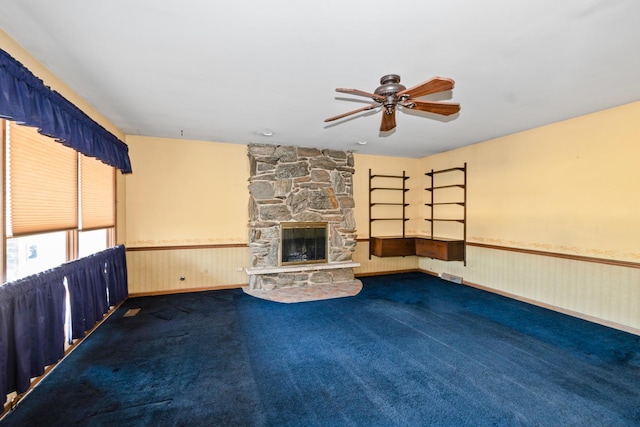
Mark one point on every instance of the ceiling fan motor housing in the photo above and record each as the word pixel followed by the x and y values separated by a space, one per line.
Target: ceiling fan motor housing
pixel 390 85
pixel 389 88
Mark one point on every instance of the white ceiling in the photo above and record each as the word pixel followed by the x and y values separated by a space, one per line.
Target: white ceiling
pixel 226 70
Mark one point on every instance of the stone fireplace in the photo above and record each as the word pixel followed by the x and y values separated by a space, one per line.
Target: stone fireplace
pixel 294 190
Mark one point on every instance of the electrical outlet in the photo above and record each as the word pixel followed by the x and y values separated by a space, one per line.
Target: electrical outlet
pixel 239 269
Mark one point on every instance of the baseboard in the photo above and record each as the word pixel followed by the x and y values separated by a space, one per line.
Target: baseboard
pixel 185 290
pixel 384 273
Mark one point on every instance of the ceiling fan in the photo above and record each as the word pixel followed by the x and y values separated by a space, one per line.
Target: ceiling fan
pixel 391 93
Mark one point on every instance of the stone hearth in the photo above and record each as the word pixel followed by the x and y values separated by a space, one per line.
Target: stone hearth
pixel 288 184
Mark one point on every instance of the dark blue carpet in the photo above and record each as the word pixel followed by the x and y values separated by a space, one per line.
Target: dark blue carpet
pixel 409 350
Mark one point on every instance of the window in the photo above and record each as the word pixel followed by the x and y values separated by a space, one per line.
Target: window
pixel 90 242
pixel 31 254
pixel 58 205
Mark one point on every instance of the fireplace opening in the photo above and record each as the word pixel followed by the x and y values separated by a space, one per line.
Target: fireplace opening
pixel 303 242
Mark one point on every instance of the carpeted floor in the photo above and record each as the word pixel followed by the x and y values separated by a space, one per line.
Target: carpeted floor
pixel 409 349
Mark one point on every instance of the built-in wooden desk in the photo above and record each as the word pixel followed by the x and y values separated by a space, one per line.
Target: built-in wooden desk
pixel 437 247
pixel 392 246
pixel 440 248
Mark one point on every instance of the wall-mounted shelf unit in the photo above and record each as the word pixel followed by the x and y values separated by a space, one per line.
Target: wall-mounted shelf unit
pixel 444 248
pixel 396 245
pixel 450 249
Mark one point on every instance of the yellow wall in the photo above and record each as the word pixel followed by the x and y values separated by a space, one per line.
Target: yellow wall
pixel 570 188
pixel 186 193
pixel 186 215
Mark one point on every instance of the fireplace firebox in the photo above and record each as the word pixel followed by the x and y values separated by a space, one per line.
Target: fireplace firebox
pixel 303 242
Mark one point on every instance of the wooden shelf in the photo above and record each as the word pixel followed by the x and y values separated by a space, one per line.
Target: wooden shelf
pixel 396 247
pixel 432 173
pixel 445 203
pixel 445 186
pixel 436 248
pixel 390 176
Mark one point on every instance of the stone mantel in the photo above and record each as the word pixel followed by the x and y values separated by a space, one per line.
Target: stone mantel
pixel 301 267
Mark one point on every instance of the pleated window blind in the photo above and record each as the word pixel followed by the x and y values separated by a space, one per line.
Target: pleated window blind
pixel 97 194
pixel 43 183
pixel 49 189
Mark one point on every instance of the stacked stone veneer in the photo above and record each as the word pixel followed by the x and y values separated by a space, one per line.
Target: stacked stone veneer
pixel 288 184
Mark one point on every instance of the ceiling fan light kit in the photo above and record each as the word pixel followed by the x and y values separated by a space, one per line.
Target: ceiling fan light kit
pixel 391 94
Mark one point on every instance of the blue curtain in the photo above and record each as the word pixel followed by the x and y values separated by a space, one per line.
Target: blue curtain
pixel 25 99
pixel 117 280
pixel 32 312
pixel 95 283
pixel 47 336
pixel 32 328
pixel 87 305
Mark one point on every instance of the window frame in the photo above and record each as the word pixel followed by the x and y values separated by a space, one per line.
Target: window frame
pixel 72 236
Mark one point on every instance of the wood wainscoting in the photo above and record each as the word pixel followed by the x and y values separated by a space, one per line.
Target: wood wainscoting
pixel 605 291
pixel 184 268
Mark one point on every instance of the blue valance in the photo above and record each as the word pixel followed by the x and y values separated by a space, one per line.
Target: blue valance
pixel 25 99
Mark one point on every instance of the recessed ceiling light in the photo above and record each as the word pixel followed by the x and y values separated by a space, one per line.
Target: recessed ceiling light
pixel 267 132
pixel 361 142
